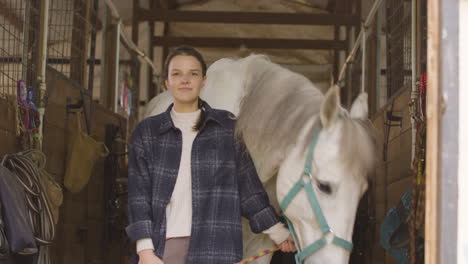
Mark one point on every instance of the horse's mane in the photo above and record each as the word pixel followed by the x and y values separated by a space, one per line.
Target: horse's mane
pixel 276 105
pixel 358 145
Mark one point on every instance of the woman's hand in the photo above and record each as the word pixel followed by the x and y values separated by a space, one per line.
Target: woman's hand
pixel 288 245
pixel 147 256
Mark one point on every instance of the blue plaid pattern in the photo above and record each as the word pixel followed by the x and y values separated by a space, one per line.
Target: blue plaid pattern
pixel 225 186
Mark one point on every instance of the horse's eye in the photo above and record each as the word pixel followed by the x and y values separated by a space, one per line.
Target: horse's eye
pixel 324 187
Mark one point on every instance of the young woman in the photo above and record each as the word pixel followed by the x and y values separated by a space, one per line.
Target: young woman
pixel 191 180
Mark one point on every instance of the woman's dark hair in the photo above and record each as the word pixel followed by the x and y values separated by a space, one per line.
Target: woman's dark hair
pixel 187 51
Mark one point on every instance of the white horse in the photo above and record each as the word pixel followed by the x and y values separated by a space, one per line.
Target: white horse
pixel 279 114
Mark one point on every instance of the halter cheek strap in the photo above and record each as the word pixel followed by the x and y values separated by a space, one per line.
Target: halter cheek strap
pixel 320 243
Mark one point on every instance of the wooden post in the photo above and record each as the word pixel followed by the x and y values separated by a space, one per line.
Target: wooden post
pixel 92 52
pixel 79 47
pixel 165 53
pixel 151 90
pixel 336 53
pixel 109 67
pixel 433 134
pixel 135 69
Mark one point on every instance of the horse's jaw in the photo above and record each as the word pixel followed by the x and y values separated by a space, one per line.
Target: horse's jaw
pixel 329 254
pixel 336 256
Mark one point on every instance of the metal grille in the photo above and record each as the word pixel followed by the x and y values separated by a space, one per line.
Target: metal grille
pixel 398 45
pixel 72 24
pixel 18 32
pixel 71 41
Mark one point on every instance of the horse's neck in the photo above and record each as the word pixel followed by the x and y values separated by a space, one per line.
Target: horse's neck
pixel 268 163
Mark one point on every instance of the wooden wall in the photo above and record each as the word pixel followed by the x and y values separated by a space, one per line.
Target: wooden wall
pixel 7 126
pixel 80 232
pixel 393 175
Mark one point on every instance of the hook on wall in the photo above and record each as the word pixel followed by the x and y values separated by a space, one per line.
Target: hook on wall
pixel 394 118
pixel 70 107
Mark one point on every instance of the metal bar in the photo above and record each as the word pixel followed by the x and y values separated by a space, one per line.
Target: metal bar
pixel 378 84
pixel 105 29
pixel 368 21
pixel 250 43
pixel 129 42
pixel 27 11
pixel 42 56
pixel 414 88
pixel 246 17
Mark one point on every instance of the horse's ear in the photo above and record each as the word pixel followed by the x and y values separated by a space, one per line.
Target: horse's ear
pixel 360 109
pixel 330 108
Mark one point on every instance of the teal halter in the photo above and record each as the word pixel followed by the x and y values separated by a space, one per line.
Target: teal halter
pixel 317 245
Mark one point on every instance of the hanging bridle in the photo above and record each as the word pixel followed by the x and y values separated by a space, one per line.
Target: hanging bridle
pixel 301 255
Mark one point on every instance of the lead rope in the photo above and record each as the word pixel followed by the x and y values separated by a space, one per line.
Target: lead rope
pixel 417 208
pixel 259 255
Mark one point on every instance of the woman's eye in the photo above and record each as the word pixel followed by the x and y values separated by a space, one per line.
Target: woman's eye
pixel 175 74
pixel 194 74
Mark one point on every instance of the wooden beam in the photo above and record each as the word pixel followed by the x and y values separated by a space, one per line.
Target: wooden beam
pixel 247 17
pixel 167 4
pixel 253 43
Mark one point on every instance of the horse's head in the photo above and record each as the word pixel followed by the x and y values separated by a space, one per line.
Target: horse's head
pixel 341 156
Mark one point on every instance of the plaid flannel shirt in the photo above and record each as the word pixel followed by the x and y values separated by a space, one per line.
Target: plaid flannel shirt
pixel 225 186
